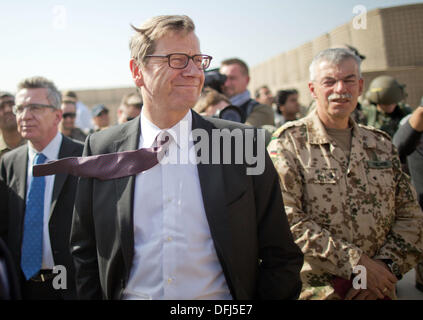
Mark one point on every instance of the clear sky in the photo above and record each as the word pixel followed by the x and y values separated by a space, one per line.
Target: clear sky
pixel 83 44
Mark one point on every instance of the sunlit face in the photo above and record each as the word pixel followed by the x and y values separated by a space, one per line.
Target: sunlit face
pixel 126 113
pixel 291 105
pixel 167 88
pixel 102 120
pixel 265 96
pixel 40 127
pixel 7 118
pixel 336 89
pixel 68 116
pixel 236 81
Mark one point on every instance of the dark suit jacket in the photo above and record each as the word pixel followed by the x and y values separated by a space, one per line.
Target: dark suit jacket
pixel 9 284
pixel 245 214
pixel 13 171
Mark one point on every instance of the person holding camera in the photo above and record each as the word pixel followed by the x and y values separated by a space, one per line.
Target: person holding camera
pixel 235 88
pixel 211 103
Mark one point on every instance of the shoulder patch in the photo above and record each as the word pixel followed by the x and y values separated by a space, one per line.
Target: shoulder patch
pixel 373 129
pixel 290 124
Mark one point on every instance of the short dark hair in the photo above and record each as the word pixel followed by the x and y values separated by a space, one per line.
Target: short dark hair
pixel 282 96
pixel 242 64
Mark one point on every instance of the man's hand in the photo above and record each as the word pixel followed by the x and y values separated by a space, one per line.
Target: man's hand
pixel 380 280
pixel 416 119
pixel 360 294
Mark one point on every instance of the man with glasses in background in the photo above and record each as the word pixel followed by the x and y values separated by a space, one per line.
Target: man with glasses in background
pixel 67 124
pixel 36 212
pixel 9 135
pixel 178 230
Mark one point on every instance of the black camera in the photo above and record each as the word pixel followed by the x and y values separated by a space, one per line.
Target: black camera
pixel 231 113
pixel 214 79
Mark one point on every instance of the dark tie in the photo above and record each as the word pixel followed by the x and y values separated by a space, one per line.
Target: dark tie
pixel 110 165
pixel 32 243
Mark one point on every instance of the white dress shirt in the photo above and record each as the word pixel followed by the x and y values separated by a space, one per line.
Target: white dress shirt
pixel 174 254
pixel 51 151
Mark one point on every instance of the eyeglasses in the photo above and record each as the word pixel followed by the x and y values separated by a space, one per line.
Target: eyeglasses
pixel 6 103
pixel 180 60
pixel 69 115
pixel 35 108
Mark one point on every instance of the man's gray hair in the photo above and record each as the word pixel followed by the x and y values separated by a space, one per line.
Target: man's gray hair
pixel 53 95
pixel 333 56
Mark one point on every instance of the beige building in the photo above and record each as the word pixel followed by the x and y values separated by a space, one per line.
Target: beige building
pixel 392 44
pixel 111 98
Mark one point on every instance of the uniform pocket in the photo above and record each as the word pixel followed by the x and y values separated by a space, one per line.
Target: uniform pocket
pixel 322 195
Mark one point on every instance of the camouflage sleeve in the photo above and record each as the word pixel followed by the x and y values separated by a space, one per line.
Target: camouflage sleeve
pixel 404 242
pixel 320 247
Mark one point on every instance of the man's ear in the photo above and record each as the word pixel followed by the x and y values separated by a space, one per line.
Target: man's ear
pixel 136 73
pixel 360 86
pixel 311 87
pixel 58 116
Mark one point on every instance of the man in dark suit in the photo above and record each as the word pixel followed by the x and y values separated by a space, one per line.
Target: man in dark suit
pixel 194 229
pixel 36 214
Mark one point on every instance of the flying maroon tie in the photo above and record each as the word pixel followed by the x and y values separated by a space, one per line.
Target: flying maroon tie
pixel 107 166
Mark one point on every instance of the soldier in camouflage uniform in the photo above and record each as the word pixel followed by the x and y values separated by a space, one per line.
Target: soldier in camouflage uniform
pixel 358 114
pixel 383 107
pixel 9 135
pixel 347 200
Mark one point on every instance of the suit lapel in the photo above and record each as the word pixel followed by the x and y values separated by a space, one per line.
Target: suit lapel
pixel 213 192
pixel 60 178
pixel 125 194
pixel 20 170
pixel 21 167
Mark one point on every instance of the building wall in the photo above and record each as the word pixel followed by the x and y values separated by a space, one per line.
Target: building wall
pixel 392 44
pixel 111 98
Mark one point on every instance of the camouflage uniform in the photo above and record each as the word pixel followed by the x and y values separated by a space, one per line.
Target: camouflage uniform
pixel 339 210
pixel 388 122
pixel 5 148
pixel 358 114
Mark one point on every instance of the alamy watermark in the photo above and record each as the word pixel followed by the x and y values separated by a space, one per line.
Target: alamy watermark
pixel 60 281
pixel 223 146
pixel 360 280
pixel 360 20
pixel 60 17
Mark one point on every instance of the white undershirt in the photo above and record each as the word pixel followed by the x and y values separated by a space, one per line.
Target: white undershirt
pixel 174 254
pixel 51 151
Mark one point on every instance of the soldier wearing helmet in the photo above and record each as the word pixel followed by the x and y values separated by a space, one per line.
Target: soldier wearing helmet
pixel 384 108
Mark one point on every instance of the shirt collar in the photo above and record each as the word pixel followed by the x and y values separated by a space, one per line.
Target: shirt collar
pixel 51 151
pixel 240 99
pixel 179 131
pixel 316 132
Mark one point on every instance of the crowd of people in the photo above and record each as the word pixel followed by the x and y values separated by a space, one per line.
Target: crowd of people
pixel 334 194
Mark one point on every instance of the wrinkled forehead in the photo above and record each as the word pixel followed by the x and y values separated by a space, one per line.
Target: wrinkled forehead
pixel 339 69
pixel 178 42
pixel 68 107
pixel 33 95
pixel 233 69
